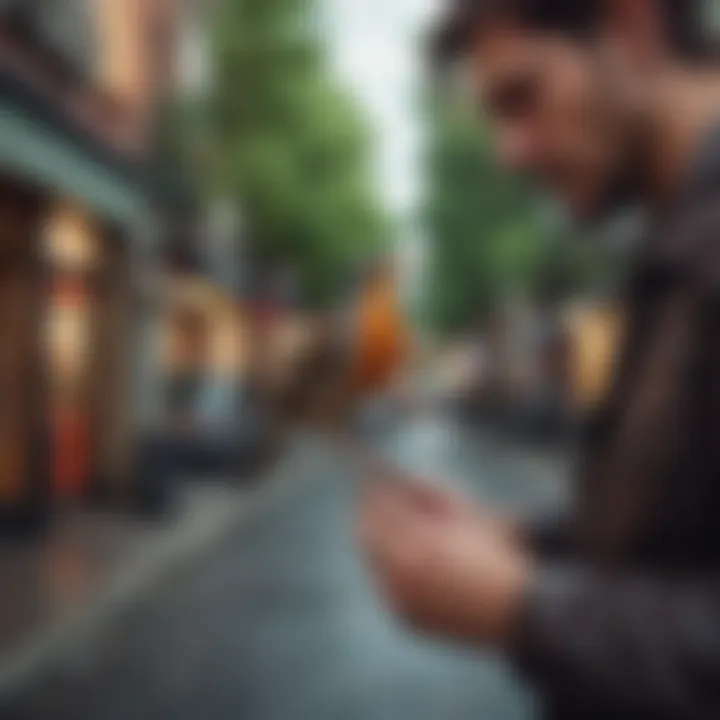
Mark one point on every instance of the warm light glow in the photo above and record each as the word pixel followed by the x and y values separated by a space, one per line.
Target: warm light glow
pixel 71 238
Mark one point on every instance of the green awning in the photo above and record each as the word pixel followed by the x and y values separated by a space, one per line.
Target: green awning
pixel 36 151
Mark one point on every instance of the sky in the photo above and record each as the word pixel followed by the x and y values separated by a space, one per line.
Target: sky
pixel 375 49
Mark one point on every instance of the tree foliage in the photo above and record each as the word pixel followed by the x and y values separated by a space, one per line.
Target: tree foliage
pixel 290 145
pixel 480 220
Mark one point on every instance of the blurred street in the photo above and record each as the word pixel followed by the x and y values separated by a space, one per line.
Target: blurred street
pixel 278 620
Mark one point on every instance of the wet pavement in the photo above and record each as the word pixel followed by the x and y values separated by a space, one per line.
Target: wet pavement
pixel 279 622
pixel 72 579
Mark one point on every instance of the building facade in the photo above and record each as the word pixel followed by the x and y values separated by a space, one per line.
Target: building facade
pixel 81 232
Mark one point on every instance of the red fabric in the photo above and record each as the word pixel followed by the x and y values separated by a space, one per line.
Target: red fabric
pixel 70 454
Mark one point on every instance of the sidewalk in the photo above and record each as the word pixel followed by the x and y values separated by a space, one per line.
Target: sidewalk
pixel 278 620
pixel 90 566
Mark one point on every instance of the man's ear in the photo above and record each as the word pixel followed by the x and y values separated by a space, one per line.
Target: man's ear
pixel 637 27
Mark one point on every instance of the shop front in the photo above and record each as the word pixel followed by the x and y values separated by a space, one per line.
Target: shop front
pixel 69 218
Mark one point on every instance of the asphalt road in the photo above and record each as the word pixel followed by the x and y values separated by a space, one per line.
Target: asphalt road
pixel 280 623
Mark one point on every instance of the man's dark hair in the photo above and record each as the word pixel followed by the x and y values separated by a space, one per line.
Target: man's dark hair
pixel 683 22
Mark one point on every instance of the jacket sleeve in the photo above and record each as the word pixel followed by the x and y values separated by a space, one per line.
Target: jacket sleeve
pixel 639 647
pixel 633 645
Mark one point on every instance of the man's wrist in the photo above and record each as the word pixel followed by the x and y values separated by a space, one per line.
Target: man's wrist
pixel 513 590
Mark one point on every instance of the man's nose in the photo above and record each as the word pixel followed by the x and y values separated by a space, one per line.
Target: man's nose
pixel 517 148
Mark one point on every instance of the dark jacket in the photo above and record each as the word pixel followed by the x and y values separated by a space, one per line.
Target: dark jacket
pixel 623 618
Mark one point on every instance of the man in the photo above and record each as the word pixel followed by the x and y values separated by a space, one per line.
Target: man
pixel 616 612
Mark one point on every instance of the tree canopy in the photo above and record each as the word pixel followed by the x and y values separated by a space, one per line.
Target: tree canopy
pixel 290 145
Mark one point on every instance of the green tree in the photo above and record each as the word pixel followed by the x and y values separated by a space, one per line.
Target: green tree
pixel 481 221
pixel 290 144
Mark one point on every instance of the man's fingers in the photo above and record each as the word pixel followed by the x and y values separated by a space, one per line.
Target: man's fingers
pixel 420 495
pixel 432 499
pixel 388 525
pixel 384 511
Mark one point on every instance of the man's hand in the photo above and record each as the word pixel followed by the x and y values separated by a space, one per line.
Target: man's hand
pixel 443 564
